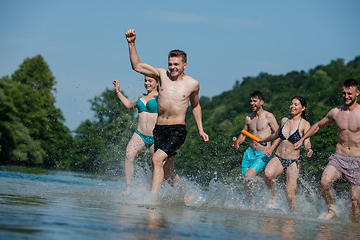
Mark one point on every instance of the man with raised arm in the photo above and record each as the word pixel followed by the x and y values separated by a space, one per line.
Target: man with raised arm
pixel 345 162
pixel 176 90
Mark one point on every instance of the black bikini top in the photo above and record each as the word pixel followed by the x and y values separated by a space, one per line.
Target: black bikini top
pixel 293 138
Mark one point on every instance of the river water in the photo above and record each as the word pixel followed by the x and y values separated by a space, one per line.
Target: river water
pixel 54 204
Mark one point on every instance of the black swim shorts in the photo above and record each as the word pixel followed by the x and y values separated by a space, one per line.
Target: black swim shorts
pixel 169 138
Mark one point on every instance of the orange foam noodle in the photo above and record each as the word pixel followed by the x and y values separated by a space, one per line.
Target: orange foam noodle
pixel 250 135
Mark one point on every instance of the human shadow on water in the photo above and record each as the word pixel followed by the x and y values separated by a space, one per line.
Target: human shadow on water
pixel 349 231
pixel 142 222
pixel 152 221
pixel 279 227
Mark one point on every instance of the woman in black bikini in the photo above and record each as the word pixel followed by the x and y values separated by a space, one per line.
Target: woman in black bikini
pixel 286 158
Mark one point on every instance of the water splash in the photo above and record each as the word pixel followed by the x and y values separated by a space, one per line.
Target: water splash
pixel 230 195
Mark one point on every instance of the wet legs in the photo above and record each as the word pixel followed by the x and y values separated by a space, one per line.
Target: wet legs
pixel 135 145
pixel 329 175
pixel 272 171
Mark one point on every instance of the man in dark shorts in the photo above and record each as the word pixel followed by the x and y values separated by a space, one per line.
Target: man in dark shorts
pixel 169 138
pixel 345 163
pixel 176 90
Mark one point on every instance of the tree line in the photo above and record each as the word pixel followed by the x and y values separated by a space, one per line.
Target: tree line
pixel 32 130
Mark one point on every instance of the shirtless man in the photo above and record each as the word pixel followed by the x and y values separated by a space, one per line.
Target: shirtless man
pixel 346 160
pixel 176 90
pixel 260 123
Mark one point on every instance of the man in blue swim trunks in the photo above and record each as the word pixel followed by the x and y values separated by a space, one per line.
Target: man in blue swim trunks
pixel 260 123
pixel 176 90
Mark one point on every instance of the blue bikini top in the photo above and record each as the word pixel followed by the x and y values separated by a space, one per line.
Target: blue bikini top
pixel 293 138
pixel 151 105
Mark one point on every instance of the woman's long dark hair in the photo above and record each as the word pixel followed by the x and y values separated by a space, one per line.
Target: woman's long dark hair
pixel 303 104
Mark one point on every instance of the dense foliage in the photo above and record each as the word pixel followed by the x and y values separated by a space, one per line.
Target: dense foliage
pixel 100 145
pixel 224 115
pixel 32 130
pixel 31 127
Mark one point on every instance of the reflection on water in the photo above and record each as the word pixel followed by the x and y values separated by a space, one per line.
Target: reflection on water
pixel 43 204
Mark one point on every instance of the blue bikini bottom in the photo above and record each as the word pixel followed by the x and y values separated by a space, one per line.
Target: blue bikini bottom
pixel 148 140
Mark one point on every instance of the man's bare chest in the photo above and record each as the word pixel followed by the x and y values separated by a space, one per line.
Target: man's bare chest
pixel 348 121
pixel 258 125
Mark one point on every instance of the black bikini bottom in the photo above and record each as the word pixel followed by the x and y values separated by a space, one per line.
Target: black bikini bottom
pixel 287 162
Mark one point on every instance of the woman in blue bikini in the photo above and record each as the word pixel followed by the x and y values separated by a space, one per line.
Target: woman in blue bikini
pixel 286 158
pixel 143 136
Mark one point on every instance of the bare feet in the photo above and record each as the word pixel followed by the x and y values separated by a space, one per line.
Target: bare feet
pixel 188 199
pixel 329 215
pixel 127 192
pixel 272 203
pixel 150 198
pixel 252 202
pixel 354 218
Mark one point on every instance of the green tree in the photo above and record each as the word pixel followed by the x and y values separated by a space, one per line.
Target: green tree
pixel 101 143
pixel 223 117
pixel 17 144
pixel 32 128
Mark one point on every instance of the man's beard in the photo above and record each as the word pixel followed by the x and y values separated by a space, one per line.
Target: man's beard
pixel 351 103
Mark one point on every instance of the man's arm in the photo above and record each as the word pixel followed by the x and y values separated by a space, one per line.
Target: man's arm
pixel 308 149
pixel 196 111
pixel 241 137
pixel 136 64
pixel 326 121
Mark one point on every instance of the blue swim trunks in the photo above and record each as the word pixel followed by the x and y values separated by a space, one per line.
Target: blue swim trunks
pixel 254 159
pixel 148 140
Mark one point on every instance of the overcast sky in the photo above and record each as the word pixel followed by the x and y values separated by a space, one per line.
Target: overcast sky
pixel 84 45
